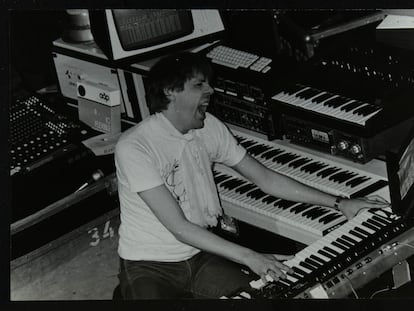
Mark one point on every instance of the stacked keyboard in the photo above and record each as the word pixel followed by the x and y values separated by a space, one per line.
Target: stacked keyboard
pixel 298 221
pixel 352 249
pixel 329 104
pixel 323 174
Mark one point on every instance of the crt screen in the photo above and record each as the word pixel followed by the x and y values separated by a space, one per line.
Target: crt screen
pixel 143 28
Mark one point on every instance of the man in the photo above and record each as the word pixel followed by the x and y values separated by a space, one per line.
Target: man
pixel 169 200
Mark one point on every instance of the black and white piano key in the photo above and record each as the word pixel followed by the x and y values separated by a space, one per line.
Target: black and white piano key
pixel 308 217
pixel 312 260
pixel 326 103
pixel 309 169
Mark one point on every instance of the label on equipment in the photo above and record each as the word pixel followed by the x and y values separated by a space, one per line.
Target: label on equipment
pixel 320 136
pixel 318 292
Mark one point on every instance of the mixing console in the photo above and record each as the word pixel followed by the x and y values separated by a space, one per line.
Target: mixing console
pixel 39 134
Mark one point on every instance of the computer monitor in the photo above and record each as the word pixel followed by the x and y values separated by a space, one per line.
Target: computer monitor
pixel 400 169
pixel 126 33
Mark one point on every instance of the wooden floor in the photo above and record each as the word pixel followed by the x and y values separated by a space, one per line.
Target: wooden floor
pixel 83 268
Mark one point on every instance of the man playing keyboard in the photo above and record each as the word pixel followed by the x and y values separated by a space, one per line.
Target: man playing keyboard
pixel 169 200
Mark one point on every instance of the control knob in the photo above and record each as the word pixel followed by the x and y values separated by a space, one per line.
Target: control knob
pixel 356 149
pixel 343 145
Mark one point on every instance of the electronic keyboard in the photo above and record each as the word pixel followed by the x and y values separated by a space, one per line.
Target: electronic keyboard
pixel 298 221
pixel 328 104
pixel 342 261
pixel 321 173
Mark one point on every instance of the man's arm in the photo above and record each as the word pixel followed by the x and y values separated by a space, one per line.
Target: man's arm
pixel 169 213
pixel 287 188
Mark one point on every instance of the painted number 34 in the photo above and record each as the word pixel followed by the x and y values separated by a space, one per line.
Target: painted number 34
pixel 97 236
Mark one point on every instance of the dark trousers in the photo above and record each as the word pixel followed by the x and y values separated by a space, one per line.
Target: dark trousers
pixel 202 276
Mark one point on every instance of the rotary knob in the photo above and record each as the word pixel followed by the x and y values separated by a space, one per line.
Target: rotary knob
pixel 343 145
pixel 356 149
pixel 81 90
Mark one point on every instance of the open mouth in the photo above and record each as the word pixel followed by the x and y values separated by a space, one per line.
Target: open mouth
pixel 202 109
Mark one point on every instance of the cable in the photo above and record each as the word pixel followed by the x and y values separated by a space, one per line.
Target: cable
pixel 406 244
pixel 96 175
pixel 380 291
pixel 352 288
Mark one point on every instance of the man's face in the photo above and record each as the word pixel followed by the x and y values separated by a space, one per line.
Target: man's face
pixel 191 103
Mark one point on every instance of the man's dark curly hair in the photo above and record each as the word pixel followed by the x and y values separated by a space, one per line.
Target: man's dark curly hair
pixel 170 73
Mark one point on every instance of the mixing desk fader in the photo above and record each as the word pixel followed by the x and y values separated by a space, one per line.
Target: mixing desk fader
pixel 38 134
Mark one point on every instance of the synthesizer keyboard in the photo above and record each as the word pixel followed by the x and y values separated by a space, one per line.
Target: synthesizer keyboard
pixel 320 173
pixel 344 260
pixel 361 88
pixel 328 104
pixel 301 222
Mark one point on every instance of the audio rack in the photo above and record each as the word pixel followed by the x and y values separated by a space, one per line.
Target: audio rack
pixel 241 98
pixel 242 105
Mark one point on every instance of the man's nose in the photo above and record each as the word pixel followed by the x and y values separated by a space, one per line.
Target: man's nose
pixel 209 89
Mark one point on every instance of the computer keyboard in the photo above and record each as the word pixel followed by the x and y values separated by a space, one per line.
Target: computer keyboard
pixel 233 58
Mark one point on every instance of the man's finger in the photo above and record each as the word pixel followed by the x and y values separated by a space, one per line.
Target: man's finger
pixel 377 198
pixel 283 257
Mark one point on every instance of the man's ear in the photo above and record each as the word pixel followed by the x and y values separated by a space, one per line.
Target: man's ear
pixel 169 94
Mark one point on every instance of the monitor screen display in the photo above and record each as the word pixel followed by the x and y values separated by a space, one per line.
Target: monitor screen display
pixel 142 28
pixel 145 33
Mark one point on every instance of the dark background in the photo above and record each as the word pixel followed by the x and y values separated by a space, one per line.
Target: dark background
pixel 31 35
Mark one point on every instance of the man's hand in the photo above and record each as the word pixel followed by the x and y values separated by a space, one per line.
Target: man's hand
pixel 268 264
pixel 352 207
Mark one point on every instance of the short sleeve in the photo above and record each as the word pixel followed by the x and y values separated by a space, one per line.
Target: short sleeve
pixel 135 167
pixel 221 144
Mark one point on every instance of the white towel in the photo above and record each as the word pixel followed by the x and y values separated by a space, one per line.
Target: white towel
pixel 199 184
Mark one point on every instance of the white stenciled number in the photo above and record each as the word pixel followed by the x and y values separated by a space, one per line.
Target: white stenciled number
pixel 95 236
pixel 108 231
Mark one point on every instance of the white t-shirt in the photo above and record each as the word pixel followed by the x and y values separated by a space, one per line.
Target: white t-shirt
pixel 149 155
